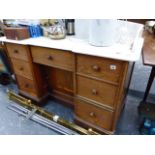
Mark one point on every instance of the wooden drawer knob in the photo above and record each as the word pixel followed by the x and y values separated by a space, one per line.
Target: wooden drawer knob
pixel 26 85
pixel 96 68
pixel 16 51
pixel 94 91
pixel 50 57
pixel 21 68
pixel 92 114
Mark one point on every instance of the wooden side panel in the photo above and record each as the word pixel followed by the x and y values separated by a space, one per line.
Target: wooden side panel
pixel 123 89
pixel 40 80
pixel 61 80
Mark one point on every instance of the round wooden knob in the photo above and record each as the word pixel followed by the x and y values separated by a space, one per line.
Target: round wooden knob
pixel 92 114
pixel 96 67
pixel 94 91
pixel 50 57
pixel 26 85
pixel 21 68
pixel 15 51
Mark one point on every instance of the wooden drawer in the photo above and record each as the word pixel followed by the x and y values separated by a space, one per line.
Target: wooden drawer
pixel 106 69
pixel 26 85
pixel 53 57
pixel 22 68
pixel 94 114
pixel 97 91
pixel 18 51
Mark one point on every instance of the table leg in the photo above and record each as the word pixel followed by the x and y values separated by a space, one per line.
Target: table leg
pixel 151 78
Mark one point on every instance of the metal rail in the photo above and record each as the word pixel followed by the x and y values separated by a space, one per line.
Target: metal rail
pixel 41 120
pixel 38 114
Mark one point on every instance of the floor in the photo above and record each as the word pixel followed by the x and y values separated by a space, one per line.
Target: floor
pixel 13 124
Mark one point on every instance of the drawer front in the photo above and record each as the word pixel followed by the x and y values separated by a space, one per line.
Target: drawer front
pixel 96 90
pixel 53 57
pixel 102 68
pixel 26 85
pixel 22 68
pixel 93 114
pixel 18 51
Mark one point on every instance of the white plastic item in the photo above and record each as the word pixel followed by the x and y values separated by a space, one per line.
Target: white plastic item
pixel 82 29
pixel 102 32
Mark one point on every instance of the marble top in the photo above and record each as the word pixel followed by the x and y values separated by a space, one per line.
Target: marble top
pixel 116 51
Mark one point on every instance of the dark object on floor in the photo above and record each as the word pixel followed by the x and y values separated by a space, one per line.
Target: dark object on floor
pixel 5 78
pixel 147 112
pixel 147 127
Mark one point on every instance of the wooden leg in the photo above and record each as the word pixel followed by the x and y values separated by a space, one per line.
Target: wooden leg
pixel 151 78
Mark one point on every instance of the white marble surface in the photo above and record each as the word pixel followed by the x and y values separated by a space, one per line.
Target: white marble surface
pixel 116 51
